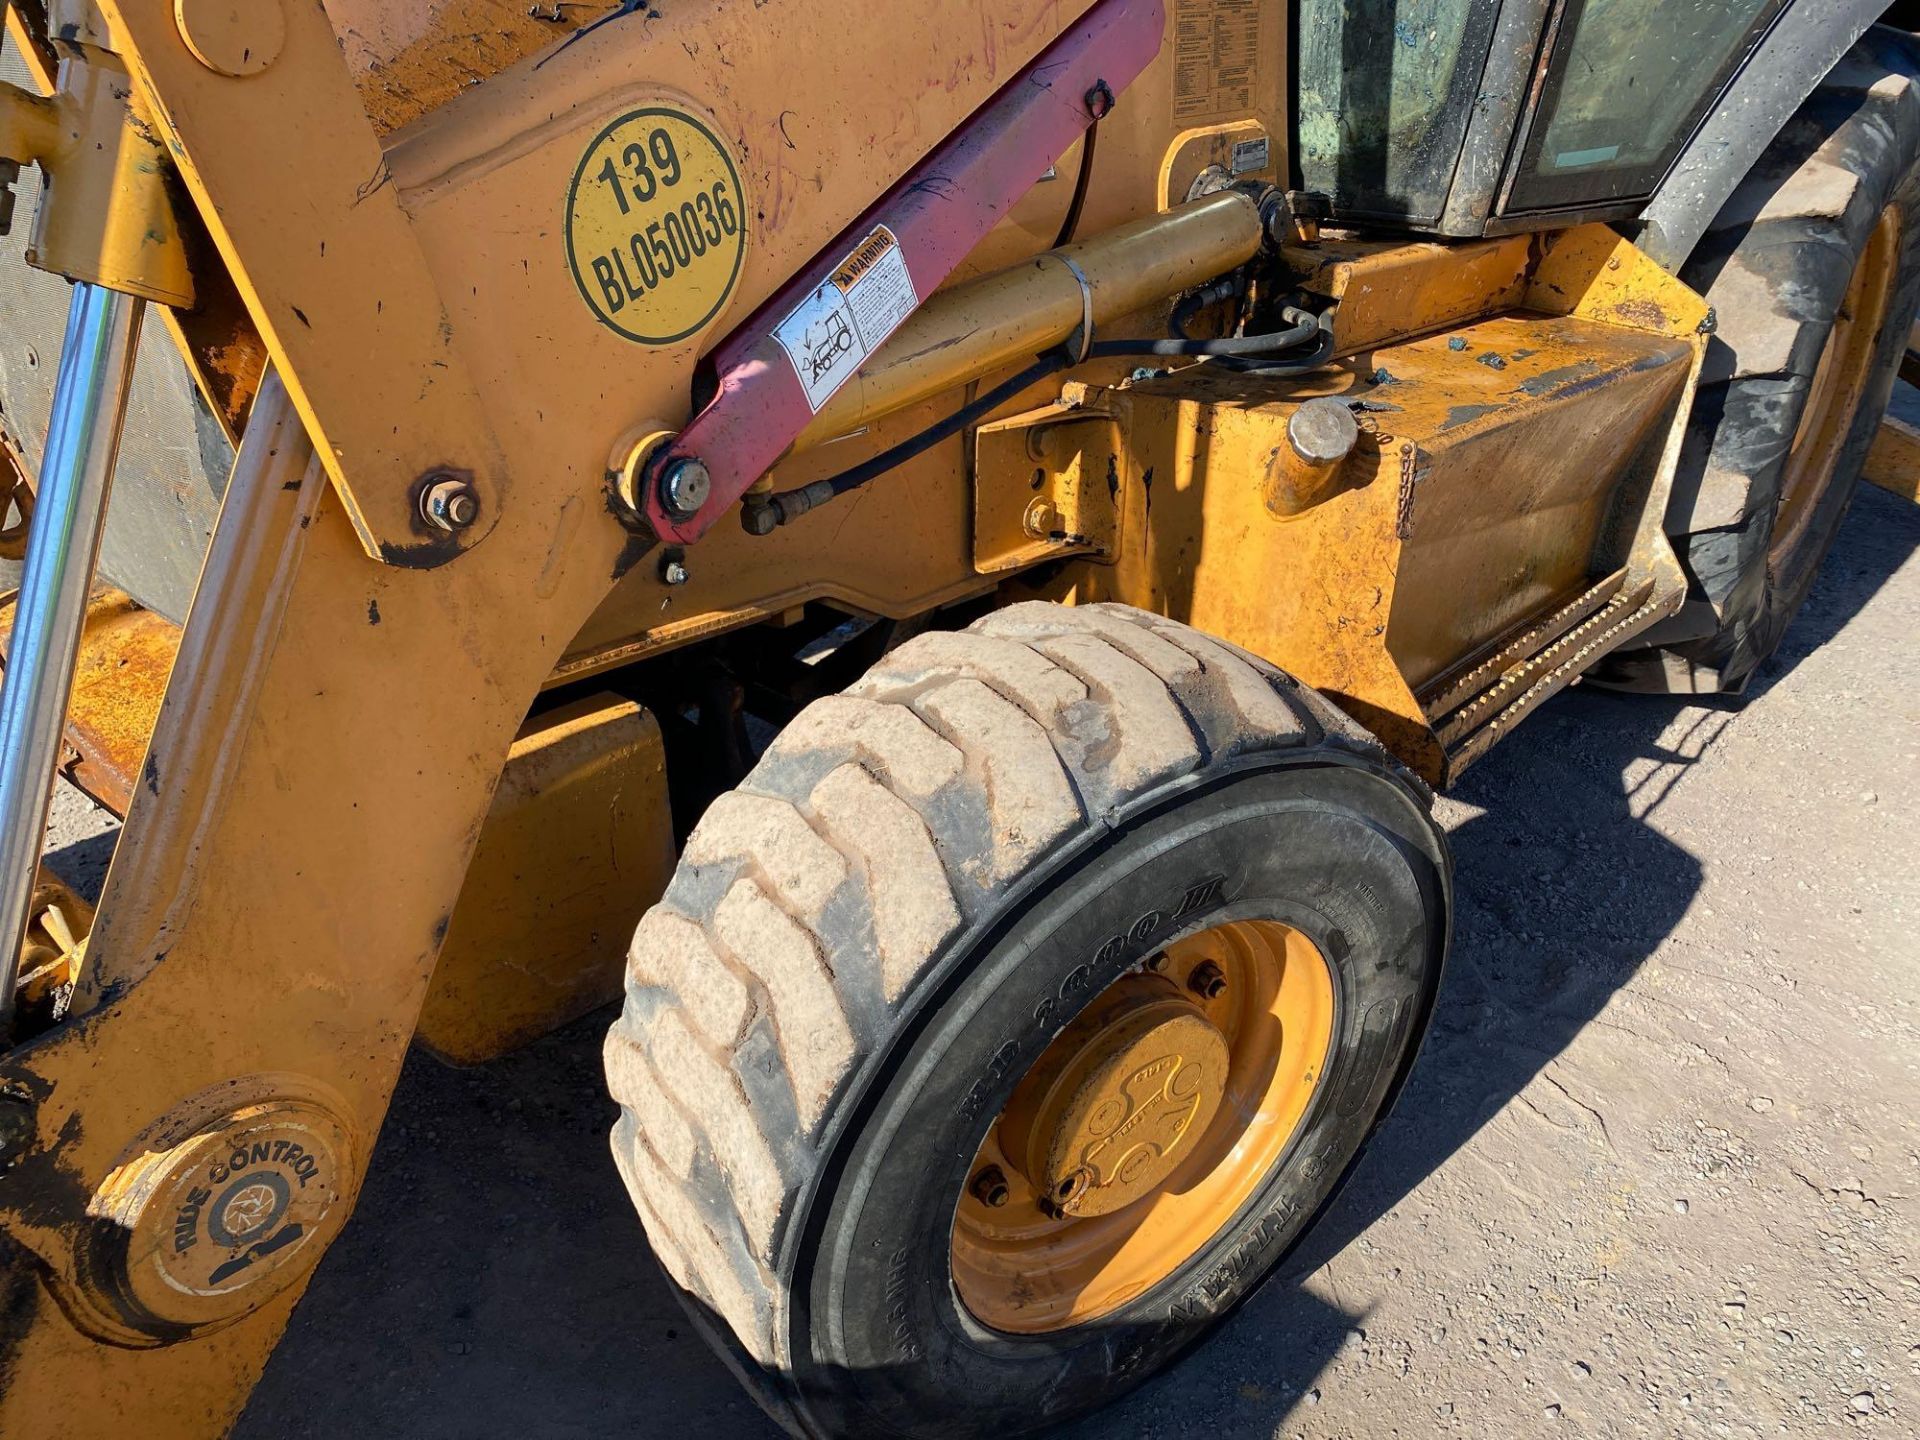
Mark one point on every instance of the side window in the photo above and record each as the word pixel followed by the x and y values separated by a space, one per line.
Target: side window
pixel 1386 90
pixel 1628 82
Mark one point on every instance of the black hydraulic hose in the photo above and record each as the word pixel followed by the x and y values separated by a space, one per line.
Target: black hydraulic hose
pixel 763 514
pixel 1249 354
pixel 1314 359
pixel 1081 184
pixel 1303 329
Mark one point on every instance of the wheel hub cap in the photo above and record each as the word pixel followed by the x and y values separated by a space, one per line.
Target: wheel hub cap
pixel 1118 1100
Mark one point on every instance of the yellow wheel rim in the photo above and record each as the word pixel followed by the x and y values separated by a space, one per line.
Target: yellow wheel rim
pixel 1839 382
pixel 1144 1129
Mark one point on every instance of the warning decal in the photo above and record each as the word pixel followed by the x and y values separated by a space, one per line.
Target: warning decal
pixel 830 334
pixel 656 226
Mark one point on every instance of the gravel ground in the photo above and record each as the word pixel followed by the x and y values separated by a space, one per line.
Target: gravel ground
pixel 1654 1175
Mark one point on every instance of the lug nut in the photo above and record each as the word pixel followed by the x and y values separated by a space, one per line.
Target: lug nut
pixel 685 486
pixel 1207 980
pixel 449 504
pixel 1067 1193
pixel 990 1187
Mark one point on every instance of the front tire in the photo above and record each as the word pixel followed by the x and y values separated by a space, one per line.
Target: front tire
pixel 1002 841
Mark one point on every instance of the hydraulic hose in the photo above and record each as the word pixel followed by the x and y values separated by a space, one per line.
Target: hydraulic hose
pixel 1267 354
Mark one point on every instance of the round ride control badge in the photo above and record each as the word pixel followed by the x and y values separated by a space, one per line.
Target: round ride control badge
pixel 209 1226
pixel 656 225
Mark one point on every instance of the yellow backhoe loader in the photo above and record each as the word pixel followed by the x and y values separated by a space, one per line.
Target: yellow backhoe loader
pixel 965 528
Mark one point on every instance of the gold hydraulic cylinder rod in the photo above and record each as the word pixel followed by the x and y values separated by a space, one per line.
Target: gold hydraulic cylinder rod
pixel 1014 314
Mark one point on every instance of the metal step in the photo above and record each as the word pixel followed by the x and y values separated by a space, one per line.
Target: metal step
pixel 1472 708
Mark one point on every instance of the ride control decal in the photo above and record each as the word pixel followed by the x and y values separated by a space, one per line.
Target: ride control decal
pixel 656 225
pixel 205 1226
pixel 245 1201
pixel 830 334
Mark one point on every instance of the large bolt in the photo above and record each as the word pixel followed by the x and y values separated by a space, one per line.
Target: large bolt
pixel 685 486
pixel 449 503
pixel 1041 519
pixel 989 1187
pixel 1207 980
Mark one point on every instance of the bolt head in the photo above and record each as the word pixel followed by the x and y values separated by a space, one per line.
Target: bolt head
pixel 990 1187
pixel 1207 980
pixel 674 572
pixel 449 504
pixel 685 486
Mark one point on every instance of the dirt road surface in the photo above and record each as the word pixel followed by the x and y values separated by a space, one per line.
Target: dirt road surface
pixel 1657 1173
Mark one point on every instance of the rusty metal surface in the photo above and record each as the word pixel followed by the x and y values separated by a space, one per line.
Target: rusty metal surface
pixel 411 56
pixel 126 654
pixel 1473 676
pixel 53 949
pixel 16 510
pixel 1475 729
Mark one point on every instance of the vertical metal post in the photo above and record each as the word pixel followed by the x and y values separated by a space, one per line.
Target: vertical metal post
pixel 70 504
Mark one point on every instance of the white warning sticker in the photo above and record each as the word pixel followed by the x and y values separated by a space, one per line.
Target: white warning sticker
pixel 834 330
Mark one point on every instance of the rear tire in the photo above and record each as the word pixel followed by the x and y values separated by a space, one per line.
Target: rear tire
pixel 869 944
pixel 1796 382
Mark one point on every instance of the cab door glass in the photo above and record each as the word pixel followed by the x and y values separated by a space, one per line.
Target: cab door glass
pixel 1386 89
pixel 1628 82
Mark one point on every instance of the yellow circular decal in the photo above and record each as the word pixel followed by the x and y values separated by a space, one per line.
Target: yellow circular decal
pixel 656 225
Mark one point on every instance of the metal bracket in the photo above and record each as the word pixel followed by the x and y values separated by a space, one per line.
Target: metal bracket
pixel 292 248
pixel 107 217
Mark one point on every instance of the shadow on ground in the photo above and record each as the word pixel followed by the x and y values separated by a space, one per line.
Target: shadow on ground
pixel 495 1282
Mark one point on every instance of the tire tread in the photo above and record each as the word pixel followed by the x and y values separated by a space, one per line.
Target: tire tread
pixel 808 903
